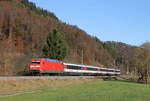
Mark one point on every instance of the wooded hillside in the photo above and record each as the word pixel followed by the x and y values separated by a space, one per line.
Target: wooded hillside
pixel 23 32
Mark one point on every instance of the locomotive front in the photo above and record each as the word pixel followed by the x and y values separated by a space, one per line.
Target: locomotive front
pixel 35 66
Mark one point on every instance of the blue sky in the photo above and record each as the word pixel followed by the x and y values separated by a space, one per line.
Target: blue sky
pixel 125 21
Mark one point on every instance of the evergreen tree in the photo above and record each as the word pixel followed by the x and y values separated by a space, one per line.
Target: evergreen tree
pixel 55 47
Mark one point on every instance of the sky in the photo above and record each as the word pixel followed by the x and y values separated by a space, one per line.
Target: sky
pixel 126 21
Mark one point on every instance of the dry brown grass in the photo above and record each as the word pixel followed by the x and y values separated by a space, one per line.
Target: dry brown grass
pixel 8 87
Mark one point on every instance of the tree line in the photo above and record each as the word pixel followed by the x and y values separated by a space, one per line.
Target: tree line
pixel 132 60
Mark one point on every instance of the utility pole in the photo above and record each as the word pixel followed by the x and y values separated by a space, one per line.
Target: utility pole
pixel 82 56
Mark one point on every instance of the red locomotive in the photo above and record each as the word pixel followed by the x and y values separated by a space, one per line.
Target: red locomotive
pixel 46 66
pixel 50 66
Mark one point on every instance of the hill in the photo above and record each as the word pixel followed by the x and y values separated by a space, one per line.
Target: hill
pixel 23 32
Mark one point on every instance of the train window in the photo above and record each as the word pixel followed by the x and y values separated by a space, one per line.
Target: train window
pixel 75 67
pixel 106 70
pixel 93 69
pixel 35 62
pixel 117 71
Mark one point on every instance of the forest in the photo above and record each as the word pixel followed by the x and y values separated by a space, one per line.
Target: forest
pixel 24 29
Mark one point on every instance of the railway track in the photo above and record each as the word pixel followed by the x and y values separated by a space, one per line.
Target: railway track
pixel 44 77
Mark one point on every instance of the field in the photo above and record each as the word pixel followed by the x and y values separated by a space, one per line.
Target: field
pixel 94 90
pixel 19 85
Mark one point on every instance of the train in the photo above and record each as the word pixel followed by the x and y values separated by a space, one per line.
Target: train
pixel 46 66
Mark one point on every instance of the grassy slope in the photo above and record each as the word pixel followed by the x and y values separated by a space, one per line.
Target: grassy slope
pixel 9 87
pixel 92 91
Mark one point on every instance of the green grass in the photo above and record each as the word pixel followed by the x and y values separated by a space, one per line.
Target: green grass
pixel 91 91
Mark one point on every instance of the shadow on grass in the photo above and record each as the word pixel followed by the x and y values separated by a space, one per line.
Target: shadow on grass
pixel 123 79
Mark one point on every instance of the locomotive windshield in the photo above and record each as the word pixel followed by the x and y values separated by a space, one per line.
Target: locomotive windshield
pixel 35 62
